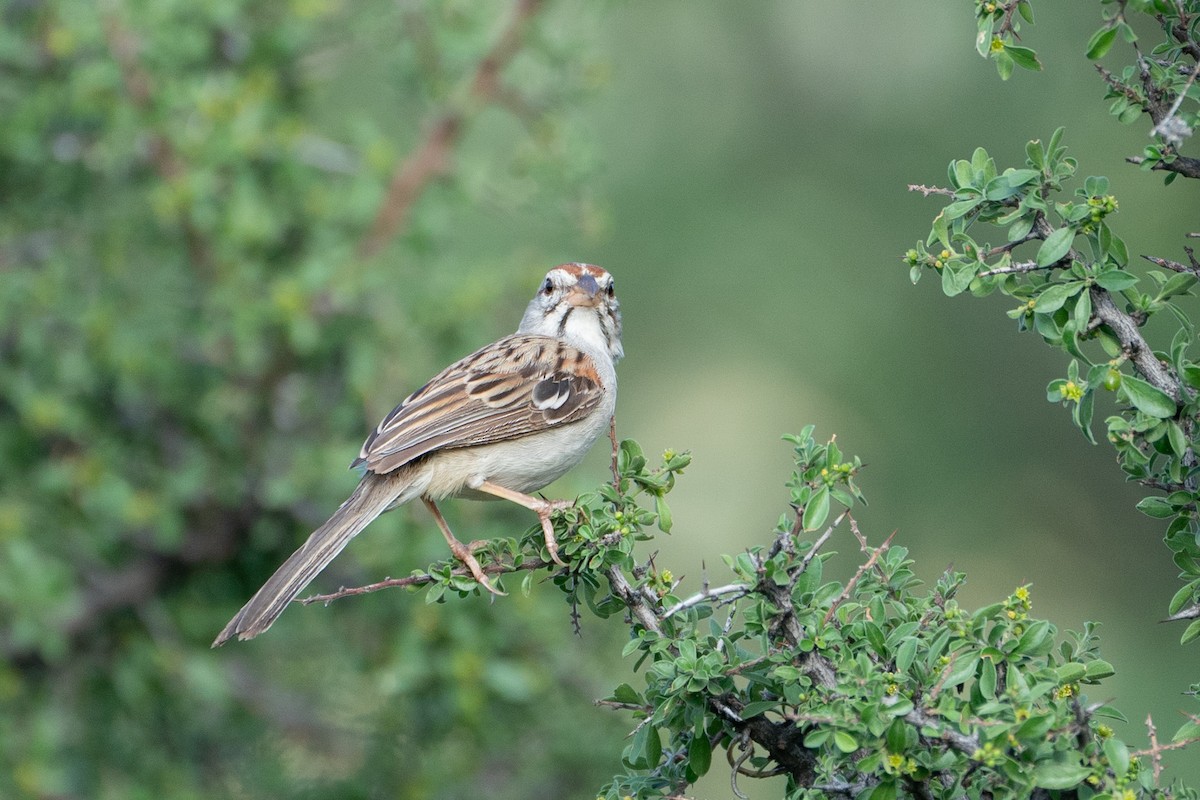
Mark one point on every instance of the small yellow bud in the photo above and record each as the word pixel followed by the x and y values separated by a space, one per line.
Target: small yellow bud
pixel 1071 391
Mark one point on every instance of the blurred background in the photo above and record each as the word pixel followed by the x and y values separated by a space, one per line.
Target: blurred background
pixel 199 327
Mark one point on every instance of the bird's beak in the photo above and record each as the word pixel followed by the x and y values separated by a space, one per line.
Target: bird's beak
pixel 585 292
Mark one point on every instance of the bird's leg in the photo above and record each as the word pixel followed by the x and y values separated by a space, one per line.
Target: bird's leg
pixel 543 508
pixel 461 551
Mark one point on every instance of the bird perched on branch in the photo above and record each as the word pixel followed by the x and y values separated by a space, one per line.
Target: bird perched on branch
pixel 502 422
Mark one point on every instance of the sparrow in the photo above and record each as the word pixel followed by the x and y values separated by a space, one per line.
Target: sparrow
pixel 505 421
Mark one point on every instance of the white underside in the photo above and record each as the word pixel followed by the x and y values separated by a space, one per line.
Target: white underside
pixel 523 465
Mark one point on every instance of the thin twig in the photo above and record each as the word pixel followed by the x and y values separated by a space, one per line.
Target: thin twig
pixel 870 562
pixel 959 741
pixel 1156 750
pixel 1174 266
pixel 928 190
pixel 1191 612
pixel 819 543
pixel 423 579
pixel 1183 165
pixel 1016 269
pixel 623 706
pixel 740 589
pixel 612 437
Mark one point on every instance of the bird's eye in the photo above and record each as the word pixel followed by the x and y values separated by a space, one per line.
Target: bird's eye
pixel 612 290
pixel 548 287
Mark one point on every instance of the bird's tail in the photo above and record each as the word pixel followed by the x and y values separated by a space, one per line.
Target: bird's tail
pixel 373 496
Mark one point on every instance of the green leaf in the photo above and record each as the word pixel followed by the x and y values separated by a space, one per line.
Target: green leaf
pixel 905 654
pixel 1177 284
pixel 645 750
pixel 963 669
pixel 816 737
pixel 1004 65
pixel 1148 399
pixel 1083 311
pixel 1118 251
pixel 1191 633
pixel 1054 296
pixel 983 39
pixel 1156 507
pixel 1036 727
pixel 1181 598
pixel 1100 43
pixel 960 207
pixel 1020 177
pixel 941 230
pixel 1057 245
pixel 1070 672
pixel 961 173
pixel 1189 730
pixel 956 279
pixel 1177 438
pixel 1024 57
pixel 1118 756
pixel 817 509
pixel 1035 154
pixel 1099 669
pixel 1060 775
pixel 1115 280
pixel 987 678
pixel 844 742
pixel 1037 639
pixel 664 514
pixel 1082 415
pixel 626 694
pixel 896 739
pixel 751 710
pixel 884 790
pixel 699 754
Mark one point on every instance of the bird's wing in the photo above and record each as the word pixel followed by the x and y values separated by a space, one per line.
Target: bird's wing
pixel 517 386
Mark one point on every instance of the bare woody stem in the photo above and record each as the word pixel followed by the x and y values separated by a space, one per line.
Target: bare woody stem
pixel 431 156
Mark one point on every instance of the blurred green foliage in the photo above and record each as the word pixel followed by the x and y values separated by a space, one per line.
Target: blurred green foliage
pixel 192 346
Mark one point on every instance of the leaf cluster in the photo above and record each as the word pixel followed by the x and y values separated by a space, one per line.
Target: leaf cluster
pixel 875 687
pixel 1069 271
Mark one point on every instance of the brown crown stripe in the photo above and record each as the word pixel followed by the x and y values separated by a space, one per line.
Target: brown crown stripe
pixel 578 269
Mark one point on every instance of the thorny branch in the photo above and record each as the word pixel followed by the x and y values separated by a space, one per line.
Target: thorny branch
pixel 1185 166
